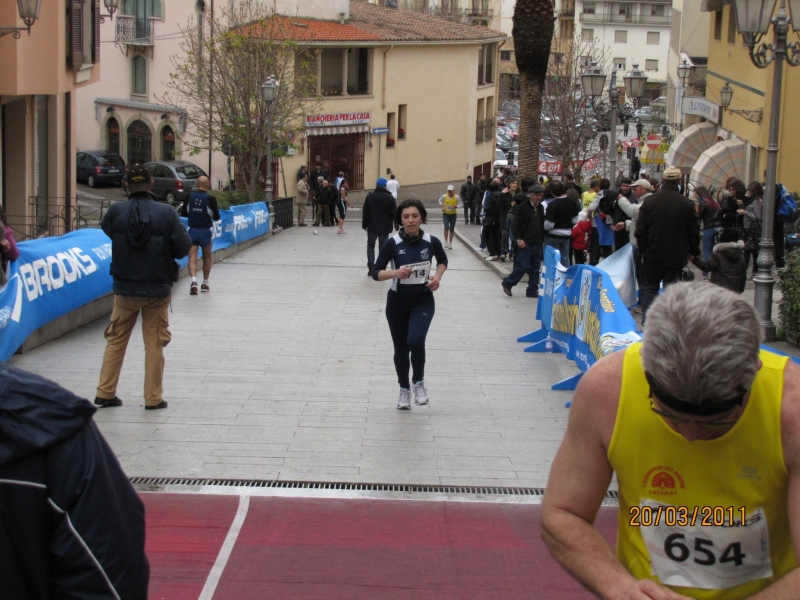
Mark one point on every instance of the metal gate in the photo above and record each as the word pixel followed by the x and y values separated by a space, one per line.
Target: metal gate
pixel 140 143
pixel 239 181
pixel 341 152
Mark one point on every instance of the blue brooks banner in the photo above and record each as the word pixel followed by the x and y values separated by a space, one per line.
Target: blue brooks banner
pixel 582 312
pixel 54 276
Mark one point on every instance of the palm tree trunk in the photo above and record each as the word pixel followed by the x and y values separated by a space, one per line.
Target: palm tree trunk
pixel 530 124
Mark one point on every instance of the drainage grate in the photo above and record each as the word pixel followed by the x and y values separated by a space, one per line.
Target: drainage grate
pixel 328 485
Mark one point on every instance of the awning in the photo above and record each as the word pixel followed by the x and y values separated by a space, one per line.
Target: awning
pixel 148 106
pixel 690 144
pixel 718 163
pixel 337 130
pixel 650 157
pixel 713 5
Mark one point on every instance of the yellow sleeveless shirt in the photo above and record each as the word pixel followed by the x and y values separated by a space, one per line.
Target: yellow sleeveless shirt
pixel 677 499
pixel 450 205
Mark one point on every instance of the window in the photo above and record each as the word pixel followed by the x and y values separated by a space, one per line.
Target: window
pixel 505 55
pixel 619 64
pixel 559 58
pixel 332 61
pixel 84 33
pixel 657 10
pixel 589 8
pixel 168 145
pixel 139 143
pixel 142 9
pixel 402 112
pixel 189 172
pixel 139 75
pixel 587 35
pixel 480 122
pixel 731 26
pixel 620 36
pixel 358 62
pixel 391 137
pixel 486 64
pixel 305 72
pixel 651 65
pixel 625 9
pixel 653 38
pixel 718 25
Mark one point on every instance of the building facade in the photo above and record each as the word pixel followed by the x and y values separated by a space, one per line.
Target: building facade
pixel 40 75
pixel 689 42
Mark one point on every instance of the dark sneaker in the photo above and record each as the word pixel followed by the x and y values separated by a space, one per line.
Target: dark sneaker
pixel 506 289
pixel 205 288
pixel 162 404
pixel 193 289
pixel 532 294
pixel 502 258
pixel 105 403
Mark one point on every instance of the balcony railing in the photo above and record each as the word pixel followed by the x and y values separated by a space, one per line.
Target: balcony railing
pixel 480 128
pixel 568 13
pixel 130 30
pixel 621 19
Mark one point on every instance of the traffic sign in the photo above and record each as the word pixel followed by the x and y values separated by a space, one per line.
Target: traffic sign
pixel 653 141
pixel 380 130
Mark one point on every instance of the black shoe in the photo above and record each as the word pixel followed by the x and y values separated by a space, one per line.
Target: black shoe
pixel 533 294
pixel 105 403
pixel 502 258
pixel 302 225
pixel 506 289
pixel 162 404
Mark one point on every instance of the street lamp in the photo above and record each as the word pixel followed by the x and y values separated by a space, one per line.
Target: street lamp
pixel 269 91
pixel 593 80
pixel 28 12
pixel 752 19
pixel 684 70
pixel 725 98
pixel 111 7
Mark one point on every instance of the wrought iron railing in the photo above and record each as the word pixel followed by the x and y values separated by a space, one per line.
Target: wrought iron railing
pixel 480 128
pixel 130 30
pixel 56 218
pixel 282 212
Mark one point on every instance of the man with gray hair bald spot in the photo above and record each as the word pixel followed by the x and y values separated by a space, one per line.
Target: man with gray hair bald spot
pixel 201 209
pixel 702 429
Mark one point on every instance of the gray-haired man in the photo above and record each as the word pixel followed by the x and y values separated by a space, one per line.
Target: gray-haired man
pixel 702 430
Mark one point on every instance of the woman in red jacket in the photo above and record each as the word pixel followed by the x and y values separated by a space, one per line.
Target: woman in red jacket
pixel 580 238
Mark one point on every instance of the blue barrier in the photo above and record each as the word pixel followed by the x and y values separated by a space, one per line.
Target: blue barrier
pixel 54 276
pixel 582 316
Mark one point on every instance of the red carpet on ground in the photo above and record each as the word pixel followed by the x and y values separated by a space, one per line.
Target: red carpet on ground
pixel 298 548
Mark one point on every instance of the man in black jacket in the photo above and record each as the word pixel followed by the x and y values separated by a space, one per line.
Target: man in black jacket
pixel 667 231
pixel 528 229
pixel 468 198
pixel 71 524
pixel 146 238
pixel 561 215
pixel 377 219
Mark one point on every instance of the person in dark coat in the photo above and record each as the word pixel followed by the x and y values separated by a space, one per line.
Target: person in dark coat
pixel 726 263
pixel 467 193
pixel 667 230
pixel 377 219
pixel 491 220
pixel 71 524
pixel 528 231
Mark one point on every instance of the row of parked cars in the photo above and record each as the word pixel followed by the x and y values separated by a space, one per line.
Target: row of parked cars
pixel 173 180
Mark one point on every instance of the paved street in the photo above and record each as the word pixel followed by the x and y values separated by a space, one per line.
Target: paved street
pixel 284 371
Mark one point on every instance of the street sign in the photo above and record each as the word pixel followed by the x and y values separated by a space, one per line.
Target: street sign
pixel 653 141
pixel 380 130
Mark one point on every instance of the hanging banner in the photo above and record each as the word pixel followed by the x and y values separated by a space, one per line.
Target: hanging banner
pixel 350 118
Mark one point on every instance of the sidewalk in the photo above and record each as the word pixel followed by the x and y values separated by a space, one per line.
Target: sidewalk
pixel 284 371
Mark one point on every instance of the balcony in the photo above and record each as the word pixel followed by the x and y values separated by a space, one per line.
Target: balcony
pixel 568 13
pixel 133 31
pixel 663 20
pixel 479 10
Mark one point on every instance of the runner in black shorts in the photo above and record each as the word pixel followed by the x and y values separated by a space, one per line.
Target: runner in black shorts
pixel 202 210
pixel 341 211
pixel 409 304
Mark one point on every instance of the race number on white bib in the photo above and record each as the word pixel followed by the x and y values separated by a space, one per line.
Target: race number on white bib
pixel 420 272
pixel 707 556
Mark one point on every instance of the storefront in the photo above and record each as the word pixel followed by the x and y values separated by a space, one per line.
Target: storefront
pixel 338 142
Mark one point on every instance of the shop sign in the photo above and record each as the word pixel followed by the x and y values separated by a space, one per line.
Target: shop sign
pixel 692 105
pixel 337 119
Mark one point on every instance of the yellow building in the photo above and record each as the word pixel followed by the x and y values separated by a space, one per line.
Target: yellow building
pixel 745 135
pixel 38 75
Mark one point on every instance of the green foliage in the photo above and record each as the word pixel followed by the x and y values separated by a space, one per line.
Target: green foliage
pixel 789 304
pixel 235 198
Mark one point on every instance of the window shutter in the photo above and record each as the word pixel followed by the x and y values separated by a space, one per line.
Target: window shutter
pixel 75 55
pixel 96 36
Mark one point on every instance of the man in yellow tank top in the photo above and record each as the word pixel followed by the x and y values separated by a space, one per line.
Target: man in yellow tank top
pixel 450 203
pixel 702 429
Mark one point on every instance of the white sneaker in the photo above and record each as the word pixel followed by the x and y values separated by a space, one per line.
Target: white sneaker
pixel 404 401
pixel 420 394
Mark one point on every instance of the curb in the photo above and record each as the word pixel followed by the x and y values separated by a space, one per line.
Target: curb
pixel 493 265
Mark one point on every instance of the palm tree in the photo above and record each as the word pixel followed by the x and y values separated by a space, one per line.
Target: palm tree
pixel 532 33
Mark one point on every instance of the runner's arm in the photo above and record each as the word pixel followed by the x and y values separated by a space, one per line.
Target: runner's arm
pixel 212 204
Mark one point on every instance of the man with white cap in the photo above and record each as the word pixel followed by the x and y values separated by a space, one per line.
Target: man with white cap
pixel 450 203
pixel 667 230
pixel 641 189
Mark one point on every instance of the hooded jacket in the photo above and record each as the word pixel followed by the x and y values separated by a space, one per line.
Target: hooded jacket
pixel 71 524
pixel 378 215
pixel 726 265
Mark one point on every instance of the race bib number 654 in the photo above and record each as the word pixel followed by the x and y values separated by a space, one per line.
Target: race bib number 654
pixel 708 557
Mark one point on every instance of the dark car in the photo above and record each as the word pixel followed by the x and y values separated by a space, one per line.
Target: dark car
pixel 173 180
pixel 100 166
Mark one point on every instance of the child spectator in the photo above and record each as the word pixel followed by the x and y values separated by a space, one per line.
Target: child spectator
pixel 580 238
pixel 726 263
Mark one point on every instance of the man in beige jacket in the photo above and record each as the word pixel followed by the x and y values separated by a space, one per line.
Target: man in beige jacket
pixel 302 200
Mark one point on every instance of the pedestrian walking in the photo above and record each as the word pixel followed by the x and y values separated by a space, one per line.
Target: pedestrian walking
pixel 146 238
pixel 326 198
pixel 449 202
pixel 303 191
pixel 201 210
pixel 639 128
pixel 377 219
pixel 528 226
pixel 507 204
pixel 625 127
pixel 467 193
pixel 410 304
pixel 342 205
pixel 491 220
pixel 393 186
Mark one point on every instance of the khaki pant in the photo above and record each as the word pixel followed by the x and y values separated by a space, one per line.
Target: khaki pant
pixel 301 209
pixel 324 213
pixel 156 335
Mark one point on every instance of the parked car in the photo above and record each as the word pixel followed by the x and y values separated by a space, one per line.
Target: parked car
pixel 500 159
pixel 173 180
pixel 643 114
pixel 99 166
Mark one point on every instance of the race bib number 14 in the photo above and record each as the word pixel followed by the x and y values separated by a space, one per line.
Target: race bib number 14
pixel 420 272
pixel 708 557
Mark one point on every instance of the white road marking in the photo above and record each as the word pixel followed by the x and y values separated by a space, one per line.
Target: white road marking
pixel 225 552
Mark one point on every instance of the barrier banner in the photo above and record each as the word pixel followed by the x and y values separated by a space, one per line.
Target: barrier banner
pixel 620 268
pixel 52 277
pixel 582 312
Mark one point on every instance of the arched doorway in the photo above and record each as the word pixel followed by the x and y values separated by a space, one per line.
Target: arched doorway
pixel 112 130
pixel 167 143
pixel 140 143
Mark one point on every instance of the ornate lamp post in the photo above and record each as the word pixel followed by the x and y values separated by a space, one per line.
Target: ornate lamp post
pixel 28 12
pixel 593 81
pixel 111 7
pixel 753 18
pixel 269 91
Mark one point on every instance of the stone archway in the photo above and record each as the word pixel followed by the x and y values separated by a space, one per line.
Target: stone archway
pixel 140 143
